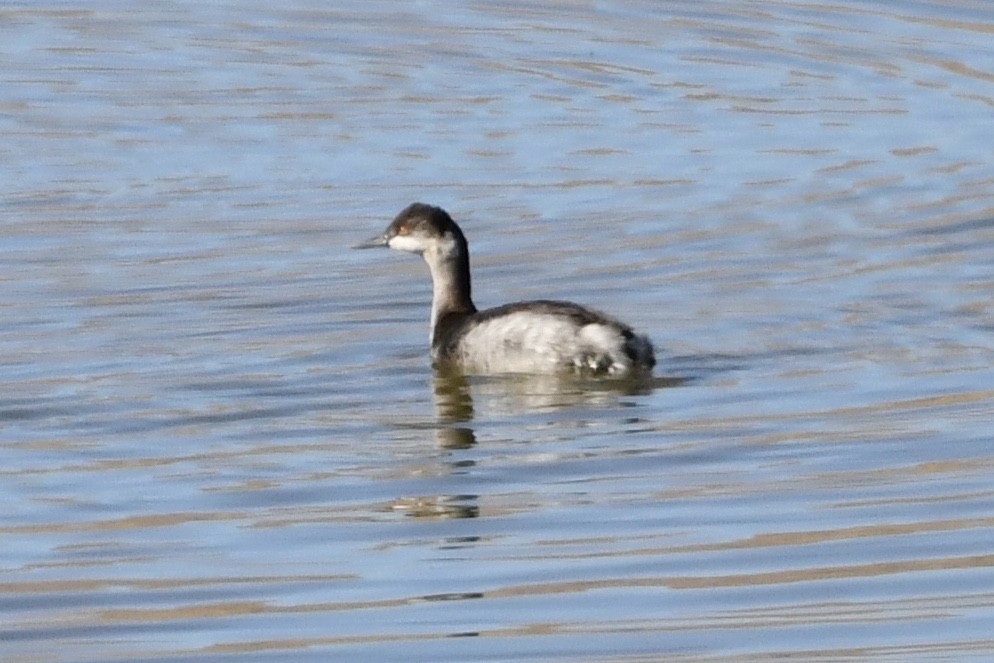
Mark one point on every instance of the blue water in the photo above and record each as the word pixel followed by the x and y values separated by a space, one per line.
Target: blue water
pixel 220 435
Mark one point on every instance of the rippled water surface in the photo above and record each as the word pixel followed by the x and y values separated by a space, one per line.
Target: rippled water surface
pixel 220 436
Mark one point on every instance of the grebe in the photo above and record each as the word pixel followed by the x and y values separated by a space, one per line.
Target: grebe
pixel 526 337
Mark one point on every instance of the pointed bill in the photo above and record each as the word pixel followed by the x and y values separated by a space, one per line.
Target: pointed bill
pixel 374 242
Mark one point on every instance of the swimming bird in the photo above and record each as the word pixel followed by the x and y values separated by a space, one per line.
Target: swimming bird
pixel 541 336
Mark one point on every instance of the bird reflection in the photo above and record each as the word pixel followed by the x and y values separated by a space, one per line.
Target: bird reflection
pixel 454 405
pixel 523 394
pixel 456 411
pixel 438 506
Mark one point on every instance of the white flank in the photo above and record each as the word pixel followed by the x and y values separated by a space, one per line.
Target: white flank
pixel 529 342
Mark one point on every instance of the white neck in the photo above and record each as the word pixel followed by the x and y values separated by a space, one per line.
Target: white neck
pixel 448 264
pixel 443 285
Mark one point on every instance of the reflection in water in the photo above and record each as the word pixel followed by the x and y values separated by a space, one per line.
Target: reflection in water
pixel 456 437
pixel 453 401
pixel 525 393
pixel 454 405
pixel 509 395
pixel 439 506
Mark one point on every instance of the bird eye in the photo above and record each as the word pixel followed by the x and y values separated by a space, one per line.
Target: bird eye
pixel 403 230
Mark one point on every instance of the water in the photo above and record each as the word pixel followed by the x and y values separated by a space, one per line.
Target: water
pixel 220 437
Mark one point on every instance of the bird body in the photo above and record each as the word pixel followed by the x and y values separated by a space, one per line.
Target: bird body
pixel 542 336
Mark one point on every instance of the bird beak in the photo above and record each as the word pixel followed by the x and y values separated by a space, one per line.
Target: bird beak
pixel 373 242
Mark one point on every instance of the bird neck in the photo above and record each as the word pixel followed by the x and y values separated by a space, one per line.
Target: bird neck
pixel 450 283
